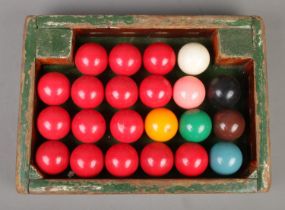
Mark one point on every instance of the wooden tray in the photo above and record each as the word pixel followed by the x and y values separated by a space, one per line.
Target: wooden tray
pixel 238 48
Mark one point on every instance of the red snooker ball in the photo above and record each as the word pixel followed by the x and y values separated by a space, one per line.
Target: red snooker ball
pixel 52 157
pixel 125 59
pixel 155 91
pixel 121 160
pixel 87 160
pixel 87 92
pixel 159 58
pixel 53 88
pixel 53 123
pixel 91 59
pixel 88 126
pixel 127 126
pixel 156 159
pixel 121 92
pixel 191 159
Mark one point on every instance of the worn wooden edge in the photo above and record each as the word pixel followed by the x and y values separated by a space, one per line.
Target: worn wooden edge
pixel 144 186
pixel 26 106
pixel 261 103
pixel 143 21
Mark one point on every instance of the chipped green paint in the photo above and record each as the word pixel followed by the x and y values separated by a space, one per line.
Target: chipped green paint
pixel 127 188
pixel 263 172
pixel 54 43
pixel 23 159
pixel 253 175
pixel 67 20
pixel 236 42
pixel 95 186
pixel 245 22
pixel 90 186
pixel 234 186
pixel 34 174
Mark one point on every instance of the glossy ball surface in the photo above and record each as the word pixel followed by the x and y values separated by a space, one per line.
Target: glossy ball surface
pixel 188 92
pixel 193 58
pixel 125 59
pixel 121 92
pixel 53 123
pixel 52 157
pixel 224 91
pixel 54 88
pixel 225 158
pixel 127 126
pixel 88 126
pixel 155 91
pixel 159 58
pixel 121 160
pixel 87 92
pixel 195 125
pixel 191 159
pixel 87 160
pixel 228 125
pixel 91 59
pixel 161 124
pixel 156 159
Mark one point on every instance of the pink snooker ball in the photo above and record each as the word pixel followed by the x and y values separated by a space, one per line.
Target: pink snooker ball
pixel 188 92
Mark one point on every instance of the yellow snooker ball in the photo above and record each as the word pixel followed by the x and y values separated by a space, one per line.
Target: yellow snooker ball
pixel 161 124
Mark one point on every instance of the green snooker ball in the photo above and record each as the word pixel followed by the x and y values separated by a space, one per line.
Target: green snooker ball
pixel 195 125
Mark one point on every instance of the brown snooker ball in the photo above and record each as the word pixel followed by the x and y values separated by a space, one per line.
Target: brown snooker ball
pixel 228 125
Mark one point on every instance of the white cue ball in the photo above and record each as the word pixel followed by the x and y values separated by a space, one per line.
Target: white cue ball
pixel 193 58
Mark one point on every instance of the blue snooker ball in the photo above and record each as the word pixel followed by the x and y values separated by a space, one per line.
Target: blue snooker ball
pixel 225 158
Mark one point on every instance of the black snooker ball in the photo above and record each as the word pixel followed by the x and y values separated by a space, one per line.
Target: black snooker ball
pixel 224 91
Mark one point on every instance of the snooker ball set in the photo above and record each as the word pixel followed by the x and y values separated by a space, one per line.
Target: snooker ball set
pixel 127 126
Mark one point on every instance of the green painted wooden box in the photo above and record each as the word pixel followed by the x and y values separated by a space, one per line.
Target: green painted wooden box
pixel 238 47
